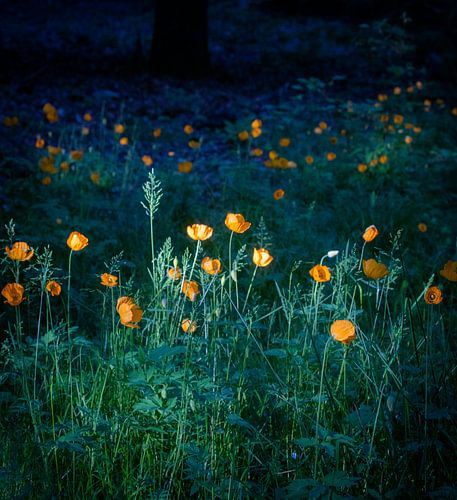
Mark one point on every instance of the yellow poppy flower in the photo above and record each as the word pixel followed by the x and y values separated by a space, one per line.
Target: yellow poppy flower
pixel 370 233
pixel 211 266
pixel 77 241
pixel 53 288
pixel 13 293
pixel 343 331
pixel 449 270
pixel 261 257
pixel 174 273
pixel 19 251
pixel 130 313
pixel 374 270
pixel 108 280
pixel 188 326
pixel 199 231
pixel 190 289
pixel 236 223
pixel 320 273
pixel 433 295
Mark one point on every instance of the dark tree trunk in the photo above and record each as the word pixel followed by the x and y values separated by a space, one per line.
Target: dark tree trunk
pixel 180 38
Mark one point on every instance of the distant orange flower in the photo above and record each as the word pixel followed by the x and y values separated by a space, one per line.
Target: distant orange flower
pixel 108 280
pixel 408 139
pixel 382 97
pixel 320 273
pixel 261 257
pixel 157 132
pixel 243 135
pixel 449 270
pixel 123 141
pixel 422 227
pixel 13 293
pixel 190 289
pixel 330 156
pixel 318 130
pixel 119 128
pixel 370 233
pixel 193 144
pixel 362 167
pixel 256 123
pixel 129 312
pixel 51 113
pixel 19 251
pixel 39 142
pixel 46 164
pixel 374 270
pixel 174 273
pixel 211 266
pixel 185 167
pixel 147 160
pixel 284 142
pixel 398 119
pixel 256 152
pixel 433 295
pixel 95 177
pixel 85 130
pixel 236 223
pixel 64 166
pixel 10 121
pixel 373 162
pixel 309 160
pixel 278 194
pixel 87 117
pixel 188 326
pixel 272 154
pixel 256 132
pixel 199 231
pixel 54 150
pixel 46 180
pixel 343 331
pixel 396 91
pixel 188 129
pixel 53 288
pixel 76 155
pixel 77 241
pixel 323 125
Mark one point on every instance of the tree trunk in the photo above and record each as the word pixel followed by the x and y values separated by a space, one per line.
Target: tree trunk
pixel 180 38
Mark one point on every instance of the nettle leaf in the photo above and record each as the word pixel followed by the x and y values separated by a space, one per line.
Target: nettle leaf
pixel 234 419
pixel 165 351
pixel 340 479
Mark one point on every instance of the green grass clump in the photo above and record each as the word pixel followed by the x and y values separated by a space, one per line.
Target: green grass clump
pixel 257 398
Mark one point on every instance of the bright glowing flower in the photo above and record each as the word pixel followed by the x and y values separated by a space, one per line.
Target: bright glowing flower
pixel 237 223
pixel 343 331
pixel 119 128
pixel 331 156
pixel 261 257
pixel 278 194
pixel 243 135
pixel 190 289
pixel 108 280
pixel 188 129
pixel 185 167
pixel 188 326
pixel 362 167
pixel 13 293
pixel 77 241
pixel 449 270
pixel 370 233
pixel 422 227
pixel 211 266
pixel 374 270
pixel 130 313
pixel 147 160
pixel 320 273
pixel 174 273
pixel 199 231
pixel 19 251
pixel 433 295
pixel 53 288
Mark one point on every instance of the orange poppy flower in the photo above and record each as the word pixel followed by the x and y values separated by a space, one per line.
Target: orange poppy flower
pixel 256 132
pixel 53 288
pixel 39 143
pixel 190 289
pixel 408 139
pixel 174 273
pixel 284 142
pixel 77 241
pixel 243 135
pixel 257 123
pixel 108 280
pixel 309 160
pixel 54 150
pixel 188 129
pixel 374 270
pixel 382 97
pixel 119 128
pixel 188 326
pixel 13 293
pixel 51 113
pixel 396 91
pixel 398 119
pixel 95 177
pixel 193 144
pixel 46 180
pixel 199 231
pixel 318 130
pixel 323 125
pixel 87 117
pixel 330 156
pixel 256 152
pixel 46 164
pixel 211 266
pixel 237 223
pixel 261 257
pixel 370 233
pixel 272 154
pixel 422 227
pixel 449 270
pixel 433 295
pixel 320 273
pixel 343 331
pixel 278 194
pixel 76 155
pixel 157 132
pixel 147 160
pixel 129 312
pixel 19 251
pixel 362 167
pixel 123 141
pixel 383 159
pixel 185 167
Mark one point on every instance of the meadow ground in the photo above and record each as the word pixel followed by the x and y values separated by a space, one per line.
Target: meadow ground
pixel 236 287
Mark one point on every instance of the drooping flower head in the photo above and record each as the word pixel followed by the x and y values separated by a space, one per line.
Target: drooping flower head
pixel 77 241
pixel 19 251
pixel 13 293
pixel 199 231
pixel 129 312
pixel 108 280
pixel 343 331
pixel 374 270
pixel 53 288
pixel 190 289
pixel 261 257
pixel 237 223
pixel 320 273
